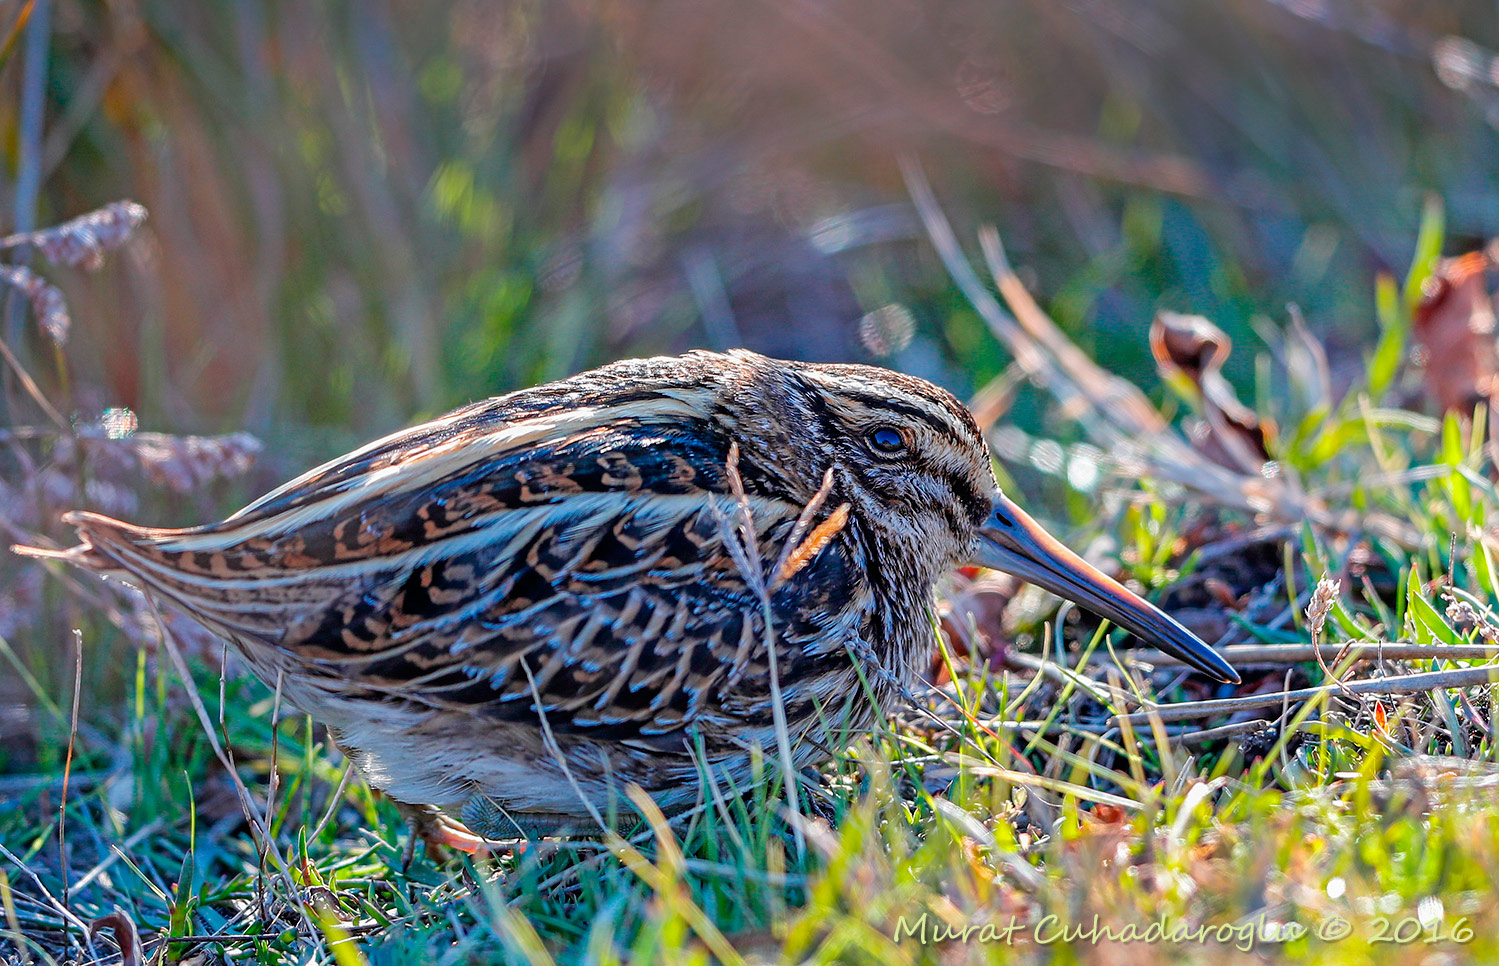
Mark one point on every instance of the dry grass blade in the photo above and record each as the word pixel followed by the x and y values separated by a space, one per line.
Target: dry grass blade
pixel 1028 355
pixel 744 548
pixel 42 890
pixel 1115 413
pixel 1055 785
pixel 662 878
pixel 1062 675
pixel 144 832
pixel 1118 398
pixel 555 750
pixel 67 768
pixel 1117 416
pixel 254 817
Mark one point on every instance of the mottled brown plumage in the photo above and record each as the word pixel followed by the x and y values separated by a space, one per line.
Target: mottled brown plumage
pixel 514 611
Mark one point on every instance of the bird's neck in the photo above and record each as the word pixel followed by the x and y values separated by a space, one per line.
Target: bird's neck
pixel 898 620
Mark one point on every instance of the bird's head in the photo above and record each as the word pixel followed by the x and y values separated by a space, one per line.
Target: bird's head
pixel 914 467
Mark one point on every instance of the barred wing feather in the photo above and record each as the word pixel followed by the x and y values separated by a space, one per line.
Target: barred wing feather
pixel 564 562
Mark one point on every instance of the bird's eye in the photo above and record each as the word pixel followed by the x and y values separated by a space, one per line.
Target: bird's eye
pixel 887 441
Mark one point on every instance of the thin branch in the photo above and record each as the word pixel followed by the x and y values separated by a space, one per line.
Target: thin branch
pixel 1225 731
pixel 1279 655
pixel 1466 677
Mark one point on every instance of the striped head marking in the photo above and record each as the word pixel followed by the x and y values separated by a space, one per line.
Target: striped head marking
pixel 906 455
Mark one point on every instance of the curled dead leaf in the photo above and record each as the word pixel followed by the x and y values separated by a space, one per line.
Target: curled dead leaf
pixel 122 930
pixel 1190 348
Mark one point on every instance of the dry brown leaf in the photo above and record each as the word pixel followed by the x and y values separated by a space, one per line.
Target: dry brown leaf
pixel 1454 324
pixel 122 930
pixel 1191 347
pixel 1109 814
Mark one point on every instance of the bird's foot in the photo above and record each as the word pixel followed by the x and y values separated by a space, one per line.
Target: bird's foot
pixel 453 834
pixel 438 832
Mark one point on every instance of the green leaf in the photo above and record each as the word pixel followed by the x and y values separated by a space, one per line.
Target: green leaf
pixel 1483 563
pixel 1458 490
pixel 1428 250
pixel 1394 322
pixel 1426 619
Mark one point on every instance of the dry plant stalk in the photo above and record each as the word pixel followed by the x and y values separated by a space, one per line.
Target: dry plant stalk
pixel 744 548
pixel 81 242
pixel 1464 677
pixel 46 301
pixel 1279 655
pixel 1321 604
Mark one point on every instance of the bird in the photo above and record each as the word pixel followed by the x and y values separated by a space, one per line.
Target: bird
pixel 648 574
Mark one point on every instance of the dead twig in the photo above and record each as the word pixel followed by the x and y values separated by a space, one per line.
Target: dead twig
pixel 1466 677
pixel 1225 731
pixel 1279 655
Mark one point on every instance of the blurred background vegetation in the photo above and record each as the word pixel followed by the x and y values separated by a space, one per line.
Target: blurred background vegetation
pixel 363 213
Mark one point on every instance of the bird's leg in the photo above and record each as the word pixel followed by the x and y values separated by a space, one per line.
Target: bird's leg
pixel 821 796
pixel 408 854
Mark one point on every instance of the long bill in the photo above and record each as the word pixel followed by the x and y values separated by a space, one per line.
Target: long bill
pixel 1013 542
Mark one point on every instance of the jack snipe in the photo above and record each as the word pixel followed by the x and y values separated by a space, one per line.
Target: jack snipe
pixel 542 597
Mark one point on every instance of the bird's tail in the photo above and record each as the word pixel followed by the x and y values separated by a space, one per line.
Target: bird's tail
pixel 106 544
pixel 136 554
